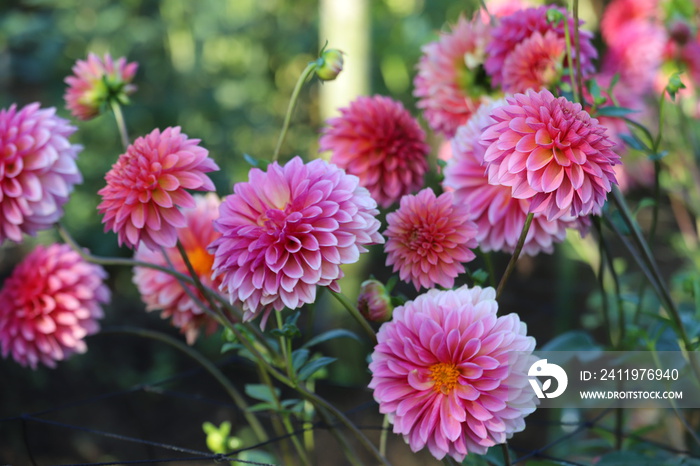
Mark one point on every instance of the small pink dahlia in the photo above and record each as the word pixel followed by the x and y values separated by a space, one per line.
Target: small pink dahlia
pixel 162 291
pixel 377 140
pixel 498 216
pixel 551 152
pixel 37 169
pixel 146 188
pixel 517 27
pixel 48 305
pixel 428 238
pixel 289 229
pixel 451 375
pixel 95 81
pixel 535 63
pixel 450 82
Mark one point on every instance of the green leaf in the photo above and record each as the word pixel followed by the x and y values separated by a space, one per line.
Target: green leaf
pixel 299 358
pixel 659 155
pixel 261 392
pixel 613 111
pixel 575 340
pixel 479 276
pixel 262 407
pixel 257 163
pixel 634 142
pixel 312 367
pixel 330 335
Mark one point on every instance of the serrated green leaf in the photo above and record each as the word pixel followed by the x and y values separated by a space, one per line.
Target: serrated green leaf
pixel 330 335
pixel 313 366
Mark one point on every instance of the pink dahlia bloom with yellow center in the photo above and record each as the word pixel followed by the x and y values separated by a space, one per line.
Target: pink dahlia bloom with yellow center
pixel 146 188
pixel 535 63
pixel 451 82
pixel 550 152
pixel 48 305
pixel 377 140
pixel 518 27
pixel 287 231
pixel 451 375
pixel 97 80
pixel 499 217
pixel 428 238
pixel 162 291
pixel 37 169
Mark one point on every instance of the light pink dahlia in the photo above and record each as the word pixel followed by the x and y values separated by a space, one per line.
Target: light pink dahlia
pixel 162 291
pixel 450 81
pixel 37 169
pixel 619 13
pixel 499 217
pixel 97 80
pixel 451 375
pixel 377 140
pixel 517 27
pixel 48 305
pixel 550 152
pixel 535 63
pixel 289 229
pixel 146 188
pixel 428 238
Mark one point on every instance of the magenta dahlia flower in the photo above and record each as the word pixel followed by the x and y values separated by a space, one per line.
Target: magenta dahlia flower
pixel 377 140
pixel 428 238
pixel 517 27
pixel 551 152
pixel 535 63
pixel 37 169
pixel 449 84
pixel 162 291
pixel 289 229
pixel 498 216
pixel 147 185
pixel 451 375
pixel 48 305
pixel 97 80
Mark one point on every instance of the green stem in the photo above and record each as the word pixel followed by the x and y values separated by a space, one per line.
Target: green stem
pixel 285 346
pixel 567 39
pixel 292 104
pixel 342 299
pixel 506 454
pixel 121 123
pixel 350 454
pixel 607 255
pixel 516 254
pixel 206 364
pixel 384 435
pixel 577 47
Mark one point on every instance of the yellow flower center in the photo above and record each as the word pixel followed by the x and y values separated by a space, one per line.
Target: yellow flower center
pixel 201 261
pixel 445 375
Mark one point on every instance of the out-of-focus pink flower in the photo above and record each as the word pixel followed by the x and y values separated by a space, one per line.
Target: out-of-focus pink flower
pixel 619 13
pixel 374 302
pixel 499 217
pixel 146 188
pixel 535 63
pixel 48 305
pixel 37 169
pixel 517 27
pixel 501 8
pixel 449 84
pixel 428 238
pixel 162 291
pixel 97 80
pixel 289 229
pixel 377 140
pixel 550 152
pixel 451 375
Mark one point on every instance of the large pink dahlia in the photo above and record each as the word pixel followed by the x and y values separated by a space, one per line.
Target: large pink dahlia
pixel 451 375
pixel 551 152
pixel 48 305
pixel 37 169
pixel 517 27
pixel 162 291
pixel 535 63
pixel 499 217
pixel 95 81
pixel 450 82
pixel 289 229
pixel 428 238
pixel 146 188
pixel 377 140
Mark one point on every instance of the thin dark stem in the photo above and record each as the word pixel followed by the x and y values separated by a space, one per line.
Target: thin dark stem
pixel 577 47
pixel 352 309
pixel 506 454
pixel 516 254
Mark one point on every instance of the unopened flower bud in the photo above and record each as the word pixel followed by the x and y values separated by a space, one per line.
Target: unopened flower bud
pixel 374 302
pixel 680 32
pixel 329 64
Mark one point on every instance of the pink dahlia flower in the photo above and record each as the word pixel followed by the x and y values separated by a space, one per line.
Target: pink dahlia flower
pixel 451 375
pixel 619 13
pixel 48 305
pixel 377 140
pixel 550 152
pixel 37 169
pixel 289 229
pixel 499 217
pixel 146 188
pixel 535 63
pixel 449 84
pixel 428 238
pixel 517 27
pixel 162 291
pixel 95 81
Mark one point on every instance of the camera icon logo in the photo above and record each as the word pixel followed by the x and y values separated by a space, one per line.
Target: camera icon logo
pixel 542 368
